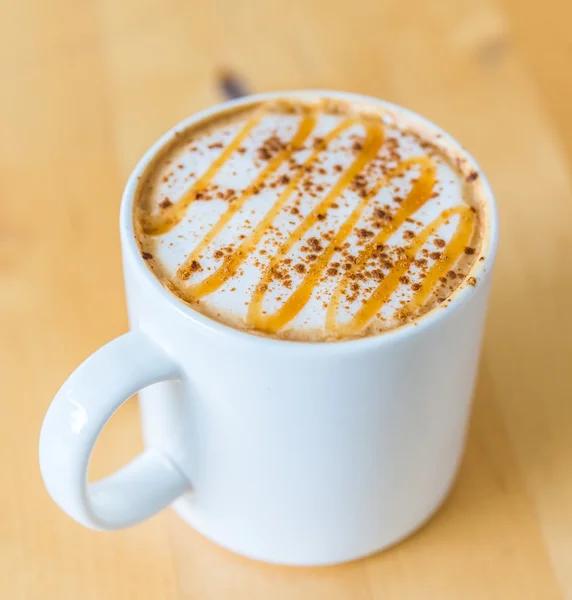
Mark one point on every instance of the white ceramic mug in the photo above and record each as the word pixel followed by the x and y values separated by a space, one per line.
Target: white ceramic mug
pixel 288 452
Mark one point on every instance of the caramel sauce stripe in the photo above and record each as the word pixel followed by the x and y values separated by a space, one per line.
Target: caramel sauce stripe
pixel 454 249
pixel 172 215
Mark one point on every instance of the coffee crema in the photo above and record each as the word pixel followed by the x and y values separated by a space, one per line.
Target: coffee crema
pixel 311 220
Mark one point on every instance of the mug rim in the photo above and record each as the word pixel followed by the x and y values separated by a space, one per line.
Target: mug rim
pixel 431 318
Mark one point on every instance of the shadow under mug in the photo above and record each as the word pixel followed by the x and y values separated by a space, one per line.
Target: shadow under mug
pixel 288 452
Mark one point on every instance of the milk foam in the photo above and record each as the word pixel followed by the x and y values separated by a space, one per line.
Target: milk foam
pixel 191 156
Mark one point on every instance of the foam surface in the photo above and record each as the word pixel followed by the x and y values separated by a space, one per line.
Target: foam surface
pixel 309 222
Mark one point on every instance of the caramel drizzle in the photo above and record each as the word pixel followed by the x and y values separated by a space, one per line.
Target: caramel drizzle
pixel 298 299
pixel 419 194
pixel 391 282
pixel 173 215
pixel 232 262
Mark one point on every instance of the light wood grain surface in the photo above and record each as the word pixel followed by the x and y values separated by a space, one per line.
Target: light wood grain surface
pixel 88 86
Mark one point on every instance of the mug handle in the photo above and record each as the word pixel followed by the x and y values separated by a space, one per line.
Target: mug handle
pixel 76 417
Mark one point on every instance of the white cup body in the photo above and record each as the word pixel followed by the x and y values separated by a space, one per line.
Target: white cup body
pixel 305 453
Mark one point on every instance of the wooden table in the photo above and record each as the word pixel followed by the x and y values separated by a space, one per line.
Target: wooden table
pixel 88 86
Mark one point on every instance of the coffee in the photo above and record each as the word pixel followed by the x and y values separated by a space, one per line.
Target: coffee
pixel 311 219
